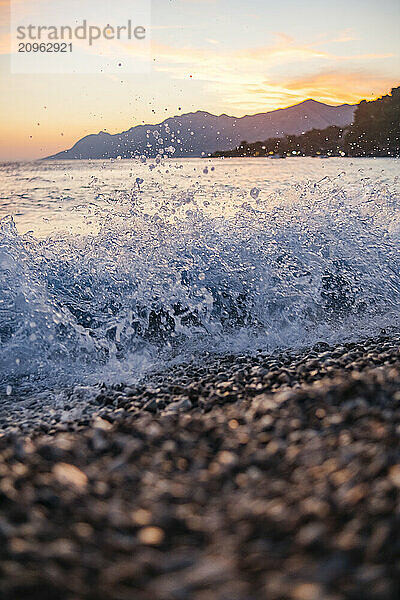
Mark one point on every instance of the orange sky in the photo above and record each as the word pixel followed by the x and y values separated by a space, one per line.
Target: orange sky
pixel 211 55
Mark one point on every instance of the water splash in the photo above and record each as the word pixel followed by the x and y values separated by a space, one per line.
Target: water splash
pixel 172 277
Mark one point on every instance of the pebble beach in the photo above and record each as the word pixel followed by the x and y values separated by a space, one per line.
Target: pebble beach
pixel 231 478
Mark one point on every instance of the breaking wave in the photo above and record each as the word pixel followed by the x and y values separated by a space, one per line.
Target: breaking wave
pixel 149 287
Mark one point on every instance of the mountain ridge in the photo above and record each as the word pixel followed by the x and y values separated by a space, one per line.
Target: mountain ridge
pixel 201 133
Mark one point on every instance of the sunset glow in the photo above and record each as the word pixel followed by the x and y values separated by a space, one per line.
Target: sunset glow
pixel 207 56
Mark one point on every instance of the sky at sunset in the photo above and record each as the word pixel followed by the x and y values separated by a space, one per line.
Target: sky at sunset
pixel 223 56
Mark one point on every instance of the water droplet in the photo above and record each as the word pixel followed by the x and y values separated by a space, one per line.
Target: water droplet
pixel 254 193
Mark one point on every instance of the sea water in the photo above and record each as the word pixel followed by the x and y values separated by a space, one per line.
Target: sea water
pixel 111 269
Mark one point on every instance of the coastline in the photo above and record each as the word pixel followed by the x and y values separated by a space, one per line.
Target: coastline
pixel 244 477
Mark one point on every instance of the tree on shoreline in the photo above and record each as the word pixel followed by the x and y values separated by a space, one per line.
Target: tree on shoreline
pixel 376 127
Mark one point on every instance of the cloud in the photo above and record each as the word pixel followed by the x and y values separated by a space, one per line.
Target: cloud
pixel 283 38
pixel 252 78
pixel 346 36
pixel 339 86
pixel 265 77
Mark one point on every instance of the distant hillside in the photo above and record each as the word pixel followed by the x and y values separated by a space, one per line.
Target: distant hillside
pixel 374 132
pixel 201 133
